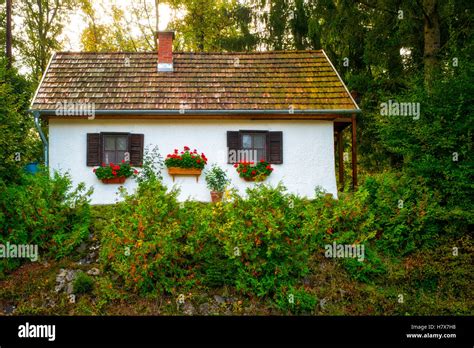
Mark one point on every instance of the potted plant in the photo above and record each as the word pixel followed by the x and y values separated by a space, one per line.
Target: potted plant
pixel 114 173
pixel 249 171
pixel 217 180
pixel 186 162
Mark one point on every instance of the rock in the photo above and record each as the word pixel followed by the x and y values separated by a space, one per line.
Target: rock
pixel 69 289
pixel 323 302
pixel 62 273
pixel 219 299
pixel 72 298
pixel 9 309
pixel 59 287
pixel 188 308
pixel 82 247
pixel 231 300
pixel 70 275
pixel 204 309
pixel 93 272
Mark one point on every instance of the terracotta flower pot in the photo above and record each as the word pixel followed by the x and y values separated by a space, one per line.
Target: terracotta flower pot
pixel 118 180
pixel 249 179
pixel 216 196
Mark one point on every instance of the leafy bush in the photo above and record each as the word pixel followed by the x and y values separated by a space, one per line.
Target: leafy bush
pixel 265 241
pixel 296 300
pixel 216 179
pixel 83 283
pixel 262 235
pixel 143 242
pixel 151 166
pixel 45 211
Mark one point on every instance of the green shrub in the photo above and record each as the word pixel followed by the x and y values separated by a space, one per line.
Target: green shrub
pixel 263 238
pixel 406 210
pixel 83 283
pixel 45 211
pixel 216 179
pixel 296 300
pixel 143 242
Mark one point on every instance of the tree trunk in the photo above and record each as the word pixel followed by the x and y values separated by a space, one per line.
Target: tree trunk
pixel 8 46
pixel 432 40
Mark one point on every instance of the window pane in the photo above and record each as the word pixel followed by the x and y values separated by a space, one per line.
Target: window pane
pixel 260 154
pixel 109 143
pixel 122 143
pixel 109 157
pixel 246 141
pixel 259 141
pixel 120 156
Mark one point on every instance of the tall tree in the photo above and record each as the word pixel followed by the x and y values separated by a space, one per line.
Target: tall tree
pixel 42 24
pixel 8 40
pixel 119 34
pixel 213 25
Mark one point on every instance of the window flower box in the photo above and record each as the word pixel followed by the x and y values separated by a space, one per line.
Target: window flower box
pixel 173 171
pixel 249 171
pixel 186 162
pixel 114 173
pixel 118 180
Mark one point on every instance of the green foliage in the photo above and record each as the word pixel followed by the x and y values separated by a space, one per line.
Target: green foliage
pixel 83 283
pixel 18 142
pixel 143 241
pixel 262 235
pixel 151 166
pixel 213 25
pixel 296 301
pixel 216 179
pixel 44 211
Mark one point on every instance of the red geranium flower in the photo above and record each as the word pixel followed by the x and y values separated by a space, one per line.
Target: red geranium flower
pixel 186 148
pixel 114 172
pixel 123 161
pixel 236 165
pixel 254 172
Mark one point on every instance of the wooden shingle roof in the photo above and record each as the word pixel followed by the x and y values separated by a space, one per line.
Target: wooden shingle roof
pixel 302 80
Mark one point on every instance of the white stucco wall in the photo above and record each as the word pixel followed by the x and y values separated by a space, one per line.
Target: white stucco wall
pixel 308 152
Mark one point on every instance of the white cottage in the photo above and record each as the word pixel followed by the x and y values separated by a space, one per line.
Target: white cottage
pixel 287 106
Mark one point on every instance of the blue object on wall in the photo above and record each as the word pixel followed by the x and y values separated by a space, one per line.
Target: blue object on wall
pixel 32 167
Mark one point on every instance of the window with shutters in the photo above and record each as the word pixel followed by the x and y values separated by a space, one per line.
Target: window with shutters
pixel 263 144
pixel 115 147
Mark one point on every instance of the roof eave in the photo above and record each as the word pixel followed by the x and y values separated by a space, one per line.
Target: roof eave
pixel 213 112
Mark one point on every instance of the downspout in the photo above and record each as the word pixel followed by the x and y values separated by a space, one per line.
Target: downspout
pixel 43 138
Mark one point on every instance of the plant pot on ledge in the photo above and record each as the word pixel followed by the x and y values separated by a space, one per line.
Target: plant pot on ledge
pixel 184 171
pixel 118 180
pixel 216 196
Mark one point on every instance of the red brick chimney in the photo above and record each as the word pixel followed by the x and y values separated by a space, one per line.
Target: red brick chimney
pixel 165 50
